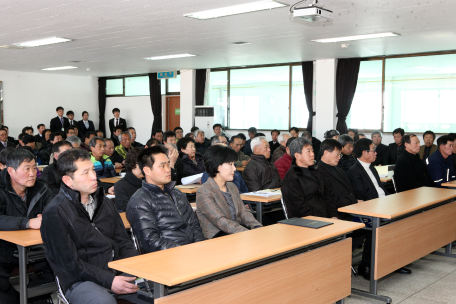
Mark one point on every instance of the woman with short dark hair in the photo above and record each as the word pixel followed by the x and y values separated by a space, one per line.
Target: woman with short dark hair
pixel 132 181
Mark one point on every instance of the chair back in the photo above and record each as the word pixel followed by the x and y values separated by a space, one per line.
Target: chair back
pixel 284 207
pixel 60 294
pixel 394 183
pixel 135 241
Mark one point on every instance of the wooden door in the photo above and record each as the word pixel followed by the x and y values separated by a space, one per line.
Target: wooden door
pixel 172 112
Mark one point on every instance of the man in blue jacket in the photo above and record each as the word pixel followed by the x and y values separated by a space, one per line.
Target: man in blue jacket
pixel 440 163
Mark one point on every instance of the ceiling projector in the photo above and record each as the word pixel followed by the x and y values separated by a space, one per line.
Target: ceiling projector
pixel 312 13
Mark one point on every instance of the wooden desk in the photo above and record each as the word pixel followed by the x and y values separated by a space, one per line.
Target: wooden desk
pixel 389 178
pixel 259 201
pixel 110 180
pixel 241 252
pixel 184 189
pixel 41 167
pixel 118 170
pixel 415 223
pixel 451 184
pixel 240 169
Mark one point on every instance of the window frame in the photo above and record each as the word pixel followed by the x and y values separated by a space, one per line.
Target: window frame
pixel 138 75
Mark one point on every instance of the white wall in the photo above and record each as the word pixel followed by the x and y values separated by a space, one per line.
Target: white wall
pixel 31 98
pixel 187 99
pixel 325 92
pixel 136 110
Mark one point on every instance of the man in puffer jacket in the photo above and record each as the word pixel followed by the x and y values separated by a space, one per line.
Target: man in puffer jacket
pixel 160 215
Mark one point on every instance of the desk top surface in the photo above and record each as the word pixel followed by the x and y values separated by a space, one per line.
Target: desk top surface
pixel 263 199
pixel 189 188
pixel 240 169
pixel 451 184
pixel 395 205
pixel 182 264
pixel 110 180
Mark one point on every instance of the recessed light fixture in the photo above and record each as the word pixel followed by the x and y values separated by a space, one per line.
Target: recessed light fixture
pixel 60 68
pixel 236 9
pixel 240 43
pixel 40 42
pixel 357 37
pixel 169 57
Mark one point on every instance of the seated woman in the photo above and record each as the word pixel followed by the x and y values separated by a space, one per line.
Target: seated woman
pixel 220 209
pixel 127 186
pixel 192 161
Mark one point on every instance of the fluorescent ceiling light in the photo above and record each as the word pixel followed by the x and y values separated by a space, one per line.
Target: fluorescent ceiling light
pixel 169 56
pixel 59 68
pixel 236 9
pixel 357 37
pixel 40 42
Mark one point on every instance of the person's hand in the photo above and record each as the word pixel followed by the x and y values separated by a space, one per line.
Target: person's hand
pixel 360 201
pixel 120 285
pixel 173 157
pixel 244 163
pixel 111 190
pixel 379 165
pixel 35 223
pixel 117 165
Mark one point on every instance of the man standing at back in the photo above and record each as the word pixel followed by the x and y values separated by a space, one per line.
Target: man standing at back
pixel 85 125
pixel 117 121
pixel 59 123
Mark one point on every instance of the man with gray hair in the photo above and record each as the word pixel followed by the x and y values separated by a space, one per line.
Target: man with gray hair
pixel 304 191
pixel 103 165
pixel 282 149
pixel 200 141
pixel 347 159
pixel 259 174
pixel 125 144
pixel 219 140
pixel 74 141
pixel 381 149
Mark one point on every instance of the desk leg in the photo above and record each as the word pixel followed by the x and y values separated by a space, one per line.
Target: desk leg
pixel 259 212
pixel 340 301
pixel 372 293
pixel 160 290
pixel 447 252
pixel 23 274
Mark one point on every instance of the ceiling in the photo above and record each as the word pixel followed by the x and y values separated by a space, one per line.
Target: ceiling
pixel 111 37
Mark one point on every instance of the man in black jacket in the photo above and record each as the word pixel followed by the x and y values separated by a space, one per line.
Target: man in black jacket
pixel 117 121
pixel 59 123
pixel 381 149
pixel 85 125
pixel 22 201
pixel 82 232
pixel 160 214
pixel 347 160
pixel 274 143
pixel 395 149
pixel 410 172
pixel 40 136
pixel 4 143
pixel 50 175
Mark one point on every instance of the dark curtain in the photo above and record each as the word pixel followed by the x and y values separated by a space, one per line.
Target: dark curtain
pixel 200 86
pixel 307 74
pixel 346 79
pixel 102 104
pixel 155 101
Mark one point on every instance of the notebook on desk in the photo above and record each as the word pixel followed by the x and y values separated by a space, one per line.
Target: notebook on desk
pixel 305 223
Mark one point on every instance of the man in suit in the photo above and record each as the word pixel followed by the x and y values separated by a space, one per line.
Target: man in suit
pixel 70 116
pixel 59 123
pixel 428 148
pixel 274 143
pixel 117 121
pixel 40 136
pixel 366 183
pixel 381 149
pixel 395 149
pixel 85 125
pixel 4 143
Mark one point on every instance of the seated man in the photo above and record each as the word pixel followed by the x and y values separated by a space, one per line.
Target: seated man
pixel 280 151
pixel 259 174
pixel 217 128
pixel 134 143
pixel 131 182
pixel 304 191
pixel 359 136
pixel 410 172
pixel 201 144
pixel 247 148
pixel 274 143
pixel 87 138
pixel 160 214
pixel 74 141
pixel 152 142
pixel 428 148
pixel 179 133
pixel 23 198
pixel 82 232
pixel 69 131
pixel 115 157
pixel 315 142
pixel 381 149
pixel 352 133
pixel 158 135
pixel 283 164
pixel 102 164
pixel 115 135
pixel 294 132
pixel 169 137
pixel 50 175
pixel 125 144
pixel 219 139
pixel 440 164
pixel 193 161
pixel 347 159
pixel 100 133
pixel 395 148
pixel 4 143
pixel 236 144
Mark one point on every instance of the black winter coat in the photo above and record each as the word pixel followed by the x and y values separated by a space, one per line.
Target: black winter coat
pixel 362 184
pixel 160 222
pixel 346 162
pixel 410 172
pixel 260 174
pixel 15 214
pixel 78 248
pixel 393 152
pixel 189 165
pixel 382 155
pixel 124 190
pixel 51 177
pixel 304 195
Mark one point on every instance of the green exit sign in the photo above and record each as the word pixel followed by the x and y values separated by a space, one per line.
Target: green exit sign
pixel 177 111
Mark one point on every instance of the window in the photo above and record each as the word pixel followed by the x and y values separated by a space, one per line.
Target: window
pixel 174 85
pixel 114 86
pixel 299 112
pixel 420 93
pixel 218 95
pixel 366 109
pixel 137 86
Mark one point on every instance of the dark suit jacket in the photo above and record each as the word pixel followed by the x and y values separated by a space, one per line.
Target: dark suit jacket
pixel 393 153
pixel 39 138
pixel 56 125
pixel 273 146
pixel 73 122
pixel 8 145
pixel 362 185
pixel 122 123
pixel 82 129
pixel 382 153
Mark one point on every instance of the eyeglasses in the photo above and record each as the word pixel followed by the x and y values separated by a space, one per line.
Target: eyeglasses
pixel 339 155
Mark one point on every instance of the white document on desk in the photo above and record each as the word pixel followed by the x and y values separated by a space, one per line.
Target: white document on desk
pixel 261 193
pixel 194 179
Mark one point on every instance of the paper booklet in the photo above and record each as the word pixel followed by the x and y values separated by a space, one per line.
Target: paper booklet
pixel 264 193
pixel 192 179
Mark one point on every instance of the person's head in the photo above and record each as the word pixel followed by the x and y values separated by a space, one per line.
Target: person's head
pixel 398 134
pixel 193 129
pixel 301 151
pixel 60 147
pixel 217 129
pixel 132 133
pixel 359 136
pixel 59 111
pixel 126 139
pixel 117 131
pixel 47 134
pixel 334 134
pixel 3 155
pixel 170 147
pixel 154 165
pixel 74 141
pixel 274 134
pixel 29 140
pixel 294 132
pixel 307 135
pixel 116 112
pixel 289 141
pixel 75 128
pixel 346 142
pixel 252 131
pixel 377 137
pixel 69 131
pixel 199 136
pixel 97 146
pixel 179 132
pixel 445 144
pixel 109 147
pixel 187 146
pixel 190 135
pixel 88 136
pixel 6 128
pixel 219 162
pixel 429 138
pixel 152 142
pixel 131 162
pixel 218 140
pixel 330 151
pixel 21 168
pixel 85 115
pixel 282 138
pixel 40 128
pixel 55 137
pixel 169 137
pixel 78 171
pixel 352 132
pixel 70 115
pixel 260 146
pixel 158 134
pixel 3 135
pixel 365 150
pixel 411 143
pixel 99 133
pixel 236 143
pixel 27 130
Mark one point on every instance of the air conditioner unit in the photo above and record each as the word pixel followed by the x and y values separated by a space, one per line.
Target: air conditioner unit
pixel 204 119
